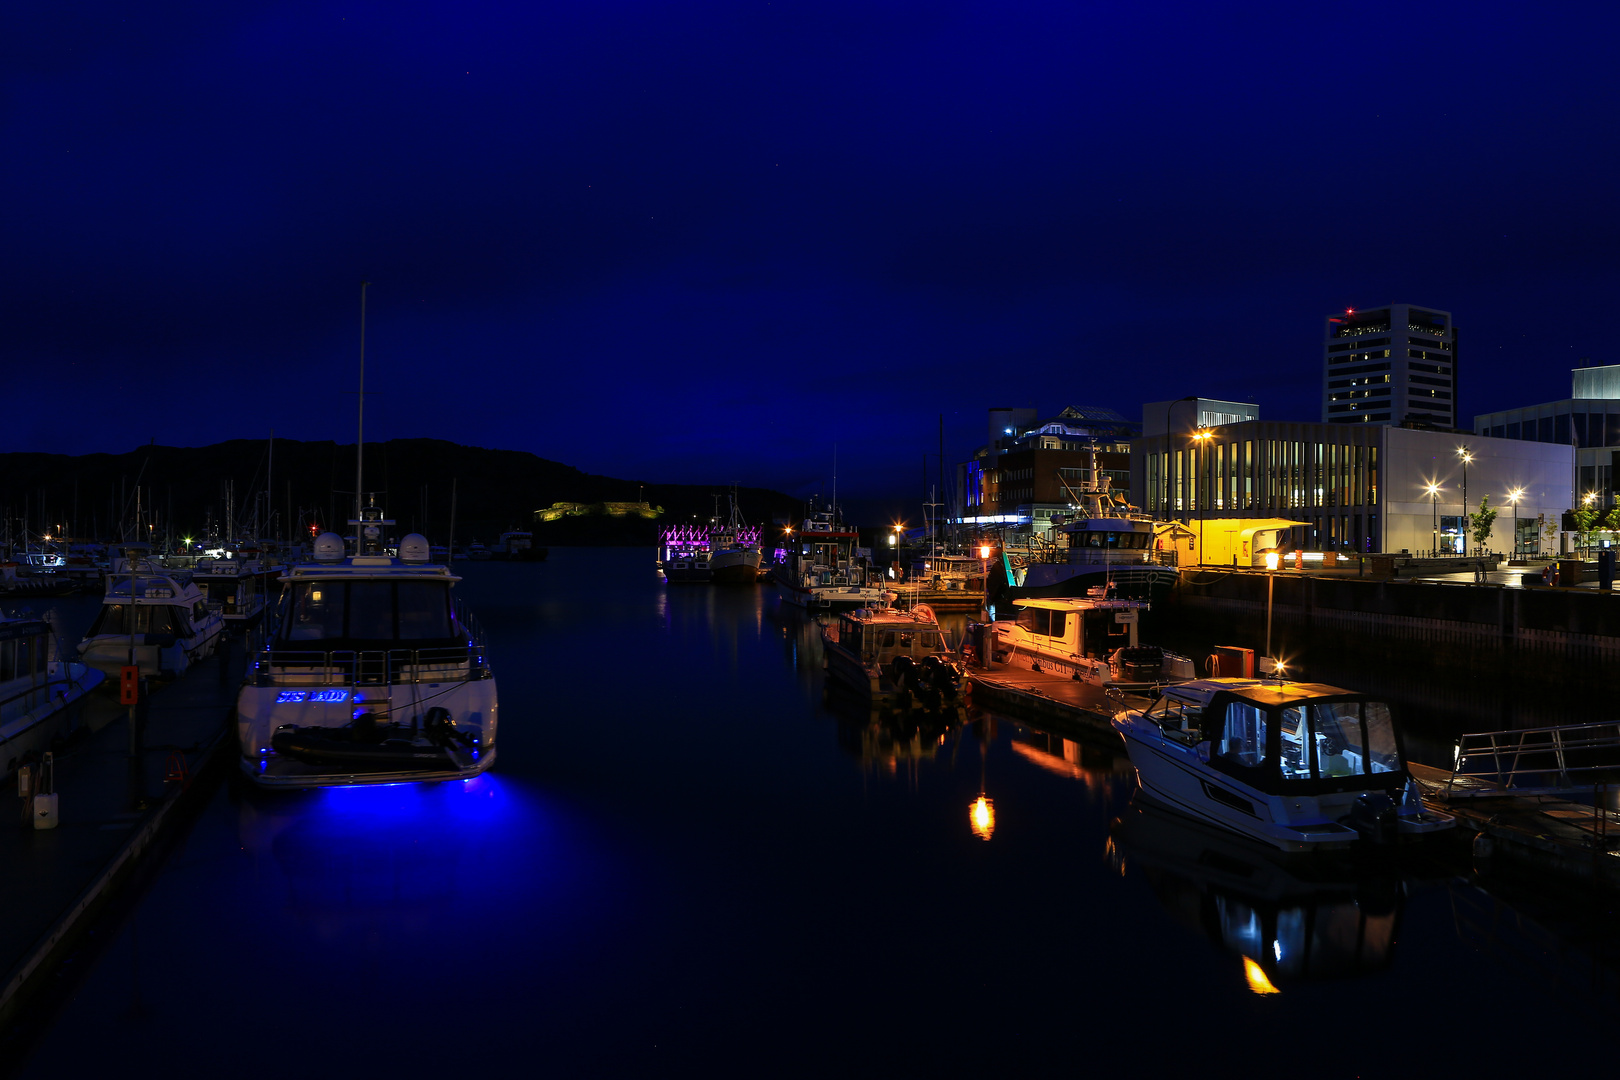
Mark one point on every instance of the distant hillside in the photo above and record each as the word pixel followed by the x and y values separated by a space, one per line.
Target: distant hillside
pixel 496 490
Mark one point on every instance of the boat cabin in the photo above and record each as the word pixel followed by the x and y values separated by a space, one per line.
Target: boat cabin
pixel 1082 628
pixel 1286 738
pixel 879 637
pixel 167 606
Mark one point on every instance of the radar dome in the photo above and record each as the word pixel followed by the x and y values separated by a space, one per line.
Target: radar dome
pixel 328 547
pixel 413 547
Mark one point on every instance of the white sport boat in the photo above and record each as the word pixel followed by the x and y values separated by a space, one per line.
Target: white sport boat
pixel 374 673
pixel 39 691
pixel 1091 639
pixel 889 657
pixel 1298 766
pixel 165 612
pixel 825 571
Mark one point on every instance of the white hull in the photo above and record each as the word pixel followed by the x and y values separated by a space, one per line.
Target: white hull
pixel 31 720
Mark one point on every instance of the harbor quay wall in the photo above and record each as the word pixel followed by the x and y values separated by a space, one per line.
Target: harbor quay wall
pixel 1546 635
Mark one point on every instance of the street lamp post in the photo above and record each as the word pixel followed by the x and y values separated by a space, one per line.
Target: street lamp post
pixel 1200 478
pixel 1463 452
pixel 1513 498
pixel 1434 520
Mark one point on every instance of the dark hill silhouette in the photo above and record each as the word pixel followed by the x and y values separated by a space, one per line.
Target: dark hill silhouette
pixel 496 490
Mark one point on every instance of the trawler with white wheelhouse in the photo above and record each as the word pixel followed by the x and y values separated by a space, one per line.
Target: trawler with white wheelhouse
pixel 39 691
pixel 890 657
pixel 826 570
pixel 1092 639
pixel 372 673
pixel 734 554
pixel 155 619
pixel 1298 766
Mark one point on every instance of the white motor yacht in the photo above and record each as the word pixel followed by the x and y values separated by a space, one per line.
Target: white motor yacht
pixel 373 673
pixel 232 586
pixel 38 691
pixel 892 657
pixel 157 619
pixel 1299 766
pixel 1092 639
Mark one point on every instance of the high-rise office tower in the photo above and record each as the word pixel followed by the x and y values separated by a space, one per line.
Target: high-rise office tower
pixel 1391 365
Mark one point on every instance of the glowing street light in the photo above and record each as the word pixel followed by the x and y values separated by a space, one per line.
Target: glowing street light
pixel 1200 439
pixel 1467 456
pixel 1513 498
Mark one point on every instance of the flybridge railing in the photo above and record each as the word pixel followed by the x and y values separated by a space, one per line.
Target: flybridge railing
pixel 380 667
pixel 697 536
pixel 1529 761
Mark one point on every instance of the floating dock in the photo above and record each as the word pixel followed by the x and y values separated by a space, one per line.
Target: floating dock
pixel 1021 692
pixel 115 809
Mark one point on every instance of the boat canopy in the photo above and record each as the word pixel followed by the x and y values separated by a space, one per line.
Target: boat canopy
pixel 1300 738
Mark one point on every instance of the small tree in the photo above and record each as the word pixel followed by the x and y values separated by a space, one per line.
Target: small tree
pixel 1611 521
pixel 1481 522
pixel 1586 519
pixel 1548 534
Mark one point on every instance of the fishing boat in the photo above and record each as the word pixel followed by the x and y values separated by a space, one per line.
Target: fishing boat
pixel 156 619
pixel 734 554
pixel 889 657
pixel 232 585
pixel 518 546
pixel 1092 639
pixel 39 691
pixel 1103 542
pixel 1299 766
pixel 374 672
pixel 683 554
pixel 945 581
pixel 824 569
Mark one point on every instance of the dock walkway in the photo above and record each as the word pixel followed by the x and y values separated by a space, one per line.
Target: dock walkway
pixel 1043 694
pixel 112 809
pixel 1538 832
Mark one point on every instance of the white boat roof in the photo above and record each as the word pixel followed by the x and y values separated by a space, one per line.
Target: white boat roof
pixel 1263 692
pixel 167 587
pixel 368 566
pixel 1083 603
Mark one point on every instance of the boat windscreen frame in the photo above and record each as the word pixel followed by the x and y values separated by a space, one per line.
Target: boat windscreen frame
pixel 1267 775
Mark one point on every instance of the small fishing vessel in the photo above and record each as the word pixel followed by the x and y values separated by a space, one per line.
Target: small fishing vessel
pixel 683 554
pixel 159 620
pixel 945 582
pixel 1092 639
pixel 373 674
pixel 825 570
pixel 1298 766
pixel 518 546
pixel 889 657
pixel 734 554
pixel 39 691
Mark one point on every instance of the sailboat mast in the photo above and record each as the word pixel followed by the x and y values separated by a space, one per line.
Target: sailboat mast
pixel 360 426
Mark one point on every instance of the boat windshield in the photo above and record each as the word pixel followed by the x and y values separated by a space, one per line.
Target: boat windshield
pixel 1335 739
pixel 149 619
pixel 368 611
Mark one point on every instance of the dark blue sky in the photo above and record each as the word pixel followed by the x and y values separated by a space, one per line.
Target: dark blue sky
pixel 708 242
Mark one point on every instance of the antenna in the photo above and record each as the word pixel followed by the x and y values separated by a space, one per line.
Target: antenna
pixel 360 430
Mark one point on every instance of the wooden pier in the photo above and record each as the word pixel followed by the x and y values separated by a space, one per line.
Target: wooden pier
pixel 1020 691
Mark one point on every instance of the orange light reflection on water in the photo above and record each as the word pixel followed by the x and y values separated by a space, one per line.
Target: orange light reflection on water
pixel 982 815
pixel 1258 983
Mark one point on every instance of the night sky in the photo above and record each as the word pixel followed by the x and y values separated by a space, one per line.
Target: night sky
pixel 711 242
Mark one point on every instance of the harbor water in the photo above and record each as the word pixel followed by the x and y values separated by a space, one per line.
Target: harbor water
pixel 686 860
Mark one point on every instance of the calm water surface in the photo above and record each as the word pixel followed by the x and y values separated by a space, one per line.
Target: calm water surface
pixel 684 860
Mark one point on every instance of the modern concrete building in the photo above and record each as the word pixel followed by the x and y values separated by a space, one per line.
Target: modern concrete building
pixel 1363 488
pixel 1588 420
pixel 1391 365
pixel 1191 413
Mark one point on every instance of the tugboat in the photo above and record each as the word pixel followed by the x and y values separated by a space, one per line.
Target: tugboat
pixel 1298 766
pixel 156 619
pixel 374 674
pixel 893 658
pixel 1091 639
pixel 37 691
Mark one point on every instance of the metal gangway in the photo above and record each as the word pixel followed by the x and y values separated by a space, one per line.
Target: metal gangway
pixel 1564 759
